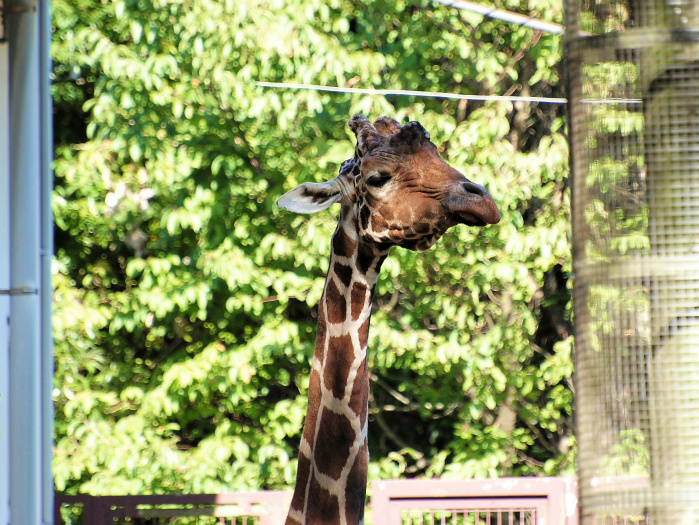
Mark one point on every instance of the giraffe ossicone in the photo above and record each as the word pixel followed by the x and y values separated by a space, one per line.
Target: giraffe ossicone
pixel 395 191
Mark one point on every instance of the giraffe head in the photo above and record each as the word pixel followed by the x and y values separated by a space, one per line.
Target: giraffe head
pixel 403 193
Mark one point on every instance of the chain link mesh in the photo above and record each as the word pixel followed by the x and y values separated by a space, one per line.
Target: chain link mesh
pixel 634 121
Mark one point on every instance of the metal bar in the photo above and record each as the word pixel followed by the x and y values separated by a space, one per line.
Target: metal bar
pixel 608 44
pixel 4 281
pixel 411 93
pixel 20 290
pixel 46 256
pixel 220 511
pixel 26 378
pixel 494 502
pixel 469 488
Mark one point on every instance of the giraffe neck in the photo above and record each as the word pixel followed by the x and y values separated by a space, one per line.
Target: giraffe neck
pixel 334 453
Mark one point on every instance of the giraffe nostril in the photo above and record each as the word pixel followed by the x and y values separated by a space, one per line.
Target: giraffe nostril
pixel 471 187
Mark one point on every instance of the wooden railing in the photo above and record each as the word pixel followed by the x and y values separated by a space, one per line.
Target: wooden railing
pixel 506 501
pixel 236 508
pixel 511 501
pixel 502 501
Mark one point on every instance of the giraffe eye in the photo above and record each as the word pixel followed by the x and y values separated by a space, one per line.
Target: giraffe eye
pixel 379 179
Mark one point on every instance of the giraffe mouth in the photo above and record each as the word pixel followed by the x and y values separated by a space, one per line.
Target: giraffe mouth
pixel 471 220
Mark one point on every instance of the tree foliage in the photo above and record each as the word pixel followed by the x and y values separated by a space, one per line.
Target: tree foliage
pixel 185 300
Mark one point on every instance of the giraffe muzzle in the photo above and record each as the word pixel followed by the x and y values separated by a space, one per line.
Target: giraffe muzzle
pixel 472 205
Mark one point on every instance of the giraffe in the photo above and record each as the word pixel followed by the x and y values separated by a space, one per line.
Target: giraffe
pixel 395 191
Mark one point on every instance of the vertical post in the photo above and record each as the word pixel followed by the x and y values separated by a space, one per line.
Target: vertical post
pixel 46 257
pixel 381 511
pixel 30 387
pixel 4 285
pixel 576 118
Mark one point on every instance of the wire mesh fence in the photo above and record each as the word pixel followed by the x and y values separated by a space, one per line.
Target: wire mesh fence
pixel 634 116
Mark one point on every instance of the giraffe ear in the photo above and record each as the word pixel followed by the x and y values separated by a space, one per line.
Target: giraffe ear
pixel 311 197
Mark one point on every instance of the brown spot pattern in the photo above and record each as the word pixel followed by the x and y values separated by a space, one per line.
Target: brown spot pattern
pixel 324 509
pixel 359 397
pixel 365 257
pixel 336 433
pixel 335 303
pixel 344 273
pixel 379 223
pixel 342 244
pixel 309 426
pixel 364 217
pixel 355 492
pixel 357 299
pixel 339 359
pixel 304 470
pixel 320 337
pixel 364 333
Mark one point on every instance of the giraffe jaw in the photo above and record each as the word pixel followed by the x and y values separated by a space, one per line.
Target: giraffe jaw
pixel 422 244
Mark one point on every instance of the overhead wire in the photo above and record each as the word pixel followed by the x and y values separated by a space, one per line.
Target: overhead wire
pixel 499 14
pixel 413 93
pixel 507 16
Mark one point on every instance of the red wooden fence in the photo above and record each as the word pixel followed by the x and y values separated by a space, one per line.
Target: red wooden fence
pixel 503 501
pixel 244 508
pixel 506 501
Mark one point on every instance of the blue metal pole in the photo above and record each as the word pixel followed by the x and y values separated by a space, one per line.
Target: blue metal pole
pixel 4 285
pixel 28 455
pixel 47 250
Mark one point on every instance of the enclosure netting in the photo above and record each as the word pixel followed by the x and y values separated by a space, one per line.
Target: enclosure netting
pixel 634 126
